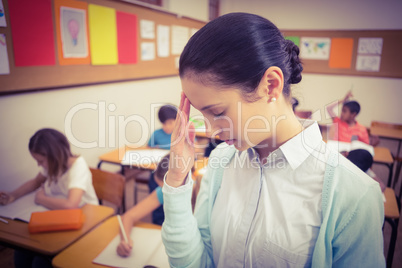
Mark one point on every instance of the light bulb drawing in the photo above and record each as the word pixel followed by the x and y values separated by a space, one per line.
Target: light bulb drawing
pixel 73 28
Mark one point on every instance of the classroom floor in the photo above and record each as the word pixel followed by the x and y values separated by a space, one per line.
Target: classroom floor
pixel 6 254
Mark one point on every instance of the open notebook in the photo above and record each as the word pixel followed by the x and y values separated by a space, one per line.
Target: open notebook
pixel 350 146
pixel 21 208
pixel 148 249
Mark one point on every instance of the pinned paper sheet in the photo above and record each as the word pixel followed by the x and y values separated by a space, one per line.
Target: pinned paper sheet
pixel 147 51
pixel 72 32
pixel 147 29
pixel 180 36
pixel 315 48
pixel 32 32
pixel 163 40
pixel 102 35
pixel 341 53
pixel 3 22
pixel 127 37
pixel 4 64
pixel 148 249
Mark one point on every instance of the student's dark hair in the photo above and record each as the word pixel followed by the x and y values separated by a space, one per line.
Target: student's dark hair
pixel 361 158
pixel 236 49
pixel 167 112
pixel 163 167
pixel 53 145
pixel 353 106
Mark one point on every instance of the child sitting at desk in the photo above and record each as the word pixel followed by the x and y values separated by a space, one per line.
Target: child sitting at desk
pixel 64 182
pixel 62 174
pixel 161 137
pixel 151 203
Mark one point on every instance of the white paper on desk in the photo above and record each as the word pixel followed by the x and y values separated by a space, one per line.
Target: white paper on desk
pixel 21 208
pixel 341 146
pixel 143 157
pixel 148 249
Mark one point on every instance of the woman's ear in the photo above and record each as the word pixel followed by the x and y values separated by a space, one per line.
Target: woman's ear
pixel 272 83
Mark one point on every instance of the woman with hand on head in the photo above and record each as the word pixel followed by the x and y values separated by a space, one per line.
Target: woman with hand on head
pixel 273 194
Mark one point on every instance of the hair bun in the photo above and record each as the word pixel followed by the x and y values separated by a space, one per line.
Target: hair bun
pixel 295 62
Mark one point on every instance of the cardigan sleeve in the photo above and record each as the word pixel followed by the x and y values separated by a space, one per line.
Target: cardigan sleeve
pixel 187 241
pixel 359 243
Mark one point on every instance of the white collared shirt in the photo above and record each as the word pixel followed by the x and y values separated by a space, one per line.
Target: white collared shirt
pixel 270 215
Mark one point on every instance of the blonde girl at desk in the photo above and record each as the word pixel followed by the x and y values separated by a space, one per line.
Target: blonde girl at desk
pixel 273 195
pixel 64 181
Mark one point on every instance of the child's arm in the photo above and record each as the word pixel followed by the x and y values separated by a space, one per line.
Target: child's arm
pixel 73 200
pixel 27 187
pixel 330 108
pixel 146 206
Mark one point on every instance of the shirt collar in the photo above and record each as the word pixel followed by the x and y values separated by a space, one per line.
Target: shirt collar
pixel 301 146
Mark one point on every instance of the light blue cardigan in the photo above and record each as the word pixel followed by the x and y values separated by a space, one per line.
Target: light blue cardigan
pixel 350 234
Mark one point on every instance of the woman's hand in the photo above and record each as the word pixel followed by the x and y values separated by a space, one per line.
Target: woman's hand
pixel 124 249
pixel 6 198
pixel 182 146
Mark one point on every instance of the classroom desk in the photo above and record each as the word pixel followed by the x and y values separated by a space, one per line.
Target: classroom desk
pixel 388 133
pixel 81 253
pixel 15 234
pixel 383 156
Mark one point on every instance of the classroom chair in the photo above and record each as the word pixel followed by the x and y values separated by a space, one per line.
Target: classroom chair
pixel 392 210
pixel 109 187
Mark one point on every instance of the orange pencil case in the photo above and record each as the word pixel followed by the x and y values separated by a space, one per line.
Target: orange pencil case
pixel 56 220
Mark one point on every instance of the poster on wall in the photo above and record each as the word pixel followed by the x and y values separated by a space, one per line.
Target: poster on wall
pixel 3 22
pixel 73 32
pixel 163 39
pixel 4 64
pixel 180 36
pixel 315 48
pixel 147 29
pixel 147 51
pixel 372 46
pixel 71 19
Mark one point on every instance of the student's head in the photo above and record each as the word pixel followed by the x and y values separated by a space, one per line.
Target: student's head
pixel 167 115
pixel 240 66
pixel 361 158
pixel 350 110
pixel 51 149
pixel 161 169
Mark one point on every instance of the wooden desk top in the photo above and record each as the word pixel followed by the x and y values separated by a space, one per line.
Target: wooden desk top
pixel 383 155
pixel 390 206
pixel 116 157
pixel 16 233
pixel 391 133
pixel 85 250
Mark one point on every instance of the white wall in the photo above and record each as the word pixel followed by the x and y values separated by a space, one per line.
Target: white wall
pixel 379 97
pixel 197 9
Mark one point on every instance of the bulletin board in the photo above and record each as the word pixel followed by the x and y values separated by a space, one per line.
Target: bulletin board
pixel 139 53
pixel 375 53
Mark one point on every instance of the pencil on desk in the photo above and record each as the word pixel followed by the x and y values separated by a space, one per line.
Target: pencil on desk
pixel 3 220
pixel 122 229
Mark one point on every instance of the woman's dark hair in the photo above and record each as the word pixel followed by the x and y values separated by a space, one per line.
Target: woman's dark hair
pixel 53 145
pixel 236 49
pixel 167 112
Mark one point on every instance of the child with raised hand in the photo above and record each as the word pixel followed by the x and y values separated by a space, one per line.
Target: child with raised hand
pixel 346 128
pixel 274 194
pixel 64 181
pixel 146 206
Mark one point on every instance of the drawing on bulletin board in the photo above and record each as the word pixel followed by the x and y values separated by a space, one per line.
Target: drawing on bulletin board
pixel 73 32
pixel 4 64
pixel 3 22
pixel 315 48
pixel 147 51
pixel 163 34
pixel 180 36
pixel 370 46
pixel 147 29
pixel 368 63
